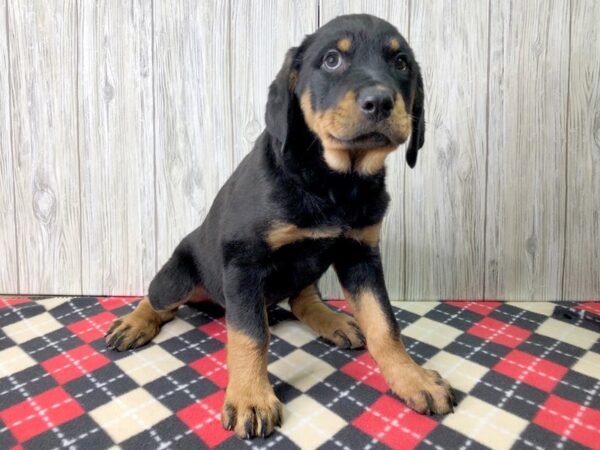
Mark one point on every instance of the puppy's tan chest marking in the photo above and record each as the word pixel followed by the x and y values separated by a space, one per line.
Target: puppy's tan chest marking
pixel 283 233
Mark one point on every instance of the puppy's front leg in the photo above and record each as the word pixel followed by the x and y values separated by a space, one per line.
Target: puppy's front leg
pixel 251 407
pixel 361 275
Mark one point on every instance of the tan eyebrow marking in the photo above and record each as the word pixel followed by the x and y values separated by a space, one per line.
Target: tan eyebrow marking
pixel 344 44
pixel 394 43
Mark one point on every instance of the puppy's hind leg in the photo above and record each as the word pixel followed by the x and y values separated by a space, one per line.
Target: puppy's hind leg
pixel 175 284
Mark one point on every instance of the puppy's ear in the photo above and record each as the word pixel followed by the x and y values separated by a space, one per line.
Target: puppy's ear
pixel 417 137
pixel 281 101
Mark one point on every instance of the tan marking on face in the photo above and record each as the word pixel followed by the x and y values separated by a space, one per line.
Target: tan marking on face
pixel 342 120
pixel 339 328
pixel 369 162
pixel 400 118
pixel 282 233
pixel 344 44
pixel 249 393
pixel 326 124
pixel 394 43
pixel 403 375
pixel 368 235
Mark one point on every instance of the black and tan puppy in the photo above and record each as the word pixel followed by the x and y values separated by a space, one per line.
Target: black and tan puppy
pixel 311 194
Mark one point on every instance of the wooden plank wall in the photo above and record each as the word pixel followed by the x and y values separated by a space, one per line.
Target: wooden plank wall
pixel 120 120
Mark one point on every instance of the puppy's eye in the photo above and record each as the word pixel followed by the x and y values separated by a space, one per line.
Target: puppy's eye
pixel 332 60
pixel 401 63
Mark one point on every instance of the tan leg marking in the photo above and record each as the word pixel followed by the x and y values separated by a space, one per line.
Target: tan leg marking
pixel 198 295
pixel 339 328
pixel 281 233
pixel 251 407
pixel 368 235
pixel 137 327
pixel 421 389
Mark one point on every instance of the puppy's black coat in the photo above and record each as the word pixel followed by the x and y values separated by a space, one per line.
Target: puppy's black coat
pixel 309 195
pixel 285 179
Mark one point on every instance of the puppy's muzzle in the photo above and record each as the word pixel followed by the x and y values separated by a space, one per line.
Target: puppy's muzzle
pixel 376 102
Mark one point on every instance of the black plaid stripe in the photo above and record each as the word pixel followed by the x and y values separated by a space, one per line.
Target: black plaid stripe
pixel 336 406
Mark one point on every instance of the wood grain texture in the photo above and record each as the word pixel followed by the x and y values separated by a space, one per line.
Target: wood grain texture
pixel 392 234
pixel 43 60
pixel 116 142
pixel 121 120
pixel 193 114
pixel 445 193
pixel 527 153
pixel 8 243
pixel 257 51
pixel 582 258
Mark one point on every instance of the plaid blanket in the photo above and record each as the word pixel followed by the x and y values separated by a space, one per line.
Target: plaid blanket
pixel 526 376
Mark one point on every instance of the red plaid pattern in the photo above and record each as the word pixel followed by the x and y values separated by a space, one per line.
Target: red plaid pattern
pixel 213 367
pixel 391 422
pixel 483 308
pixel 572 420
pixel 203 418
pixel 92 328
pixel 534 371
pixel 364 368
pixel 74 363
pixel 499 332
pixel 40 413
pixel 518 385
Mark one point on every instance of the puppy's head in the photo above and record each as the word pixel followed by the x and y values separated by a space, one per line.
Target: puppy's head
pixel 356 86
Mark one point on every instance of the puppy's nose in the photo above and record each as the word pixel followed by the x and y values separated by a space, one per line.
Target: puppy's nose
pixel 376 102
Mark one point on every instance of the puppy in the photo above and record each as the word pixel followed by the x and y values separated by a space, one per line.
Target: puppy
pixel 310 194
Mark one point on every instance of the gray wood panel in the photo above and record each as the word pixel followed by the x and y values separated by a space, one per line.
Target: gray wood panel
pixel 193 114
pixel 392 234
pixel 258 47
pixel 122 119
pixel 445 193
pixel 116 141
pixel 8 242
pixel 582 258
pixel 527 151
pixel 43 77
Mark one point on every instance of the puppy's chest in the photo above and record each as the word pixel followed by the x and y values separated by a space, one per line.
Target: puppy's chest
pixel 282 234
pixel 349 213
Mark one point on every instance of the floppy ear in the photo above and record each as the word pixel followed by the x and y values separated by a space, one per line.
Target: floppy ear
pixel 417 137
pixel 280 104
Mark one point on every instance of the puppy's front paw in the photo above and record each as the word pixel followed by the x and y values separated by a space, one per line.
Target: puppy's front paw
pixel 423 390
pixel 343 331
pixel 251 413
pixel 130 331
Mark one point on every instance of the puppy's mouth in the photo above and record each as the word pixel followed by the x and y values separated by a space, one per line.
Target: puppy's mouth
pixel 363 141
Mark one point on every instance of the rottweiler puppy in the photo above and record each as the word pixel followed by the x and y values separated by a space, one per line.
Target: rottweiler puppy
pixel 310 194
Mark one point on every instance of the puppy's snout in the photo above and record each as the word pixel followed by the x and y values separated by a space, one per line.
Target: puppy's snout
pixel 376 102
